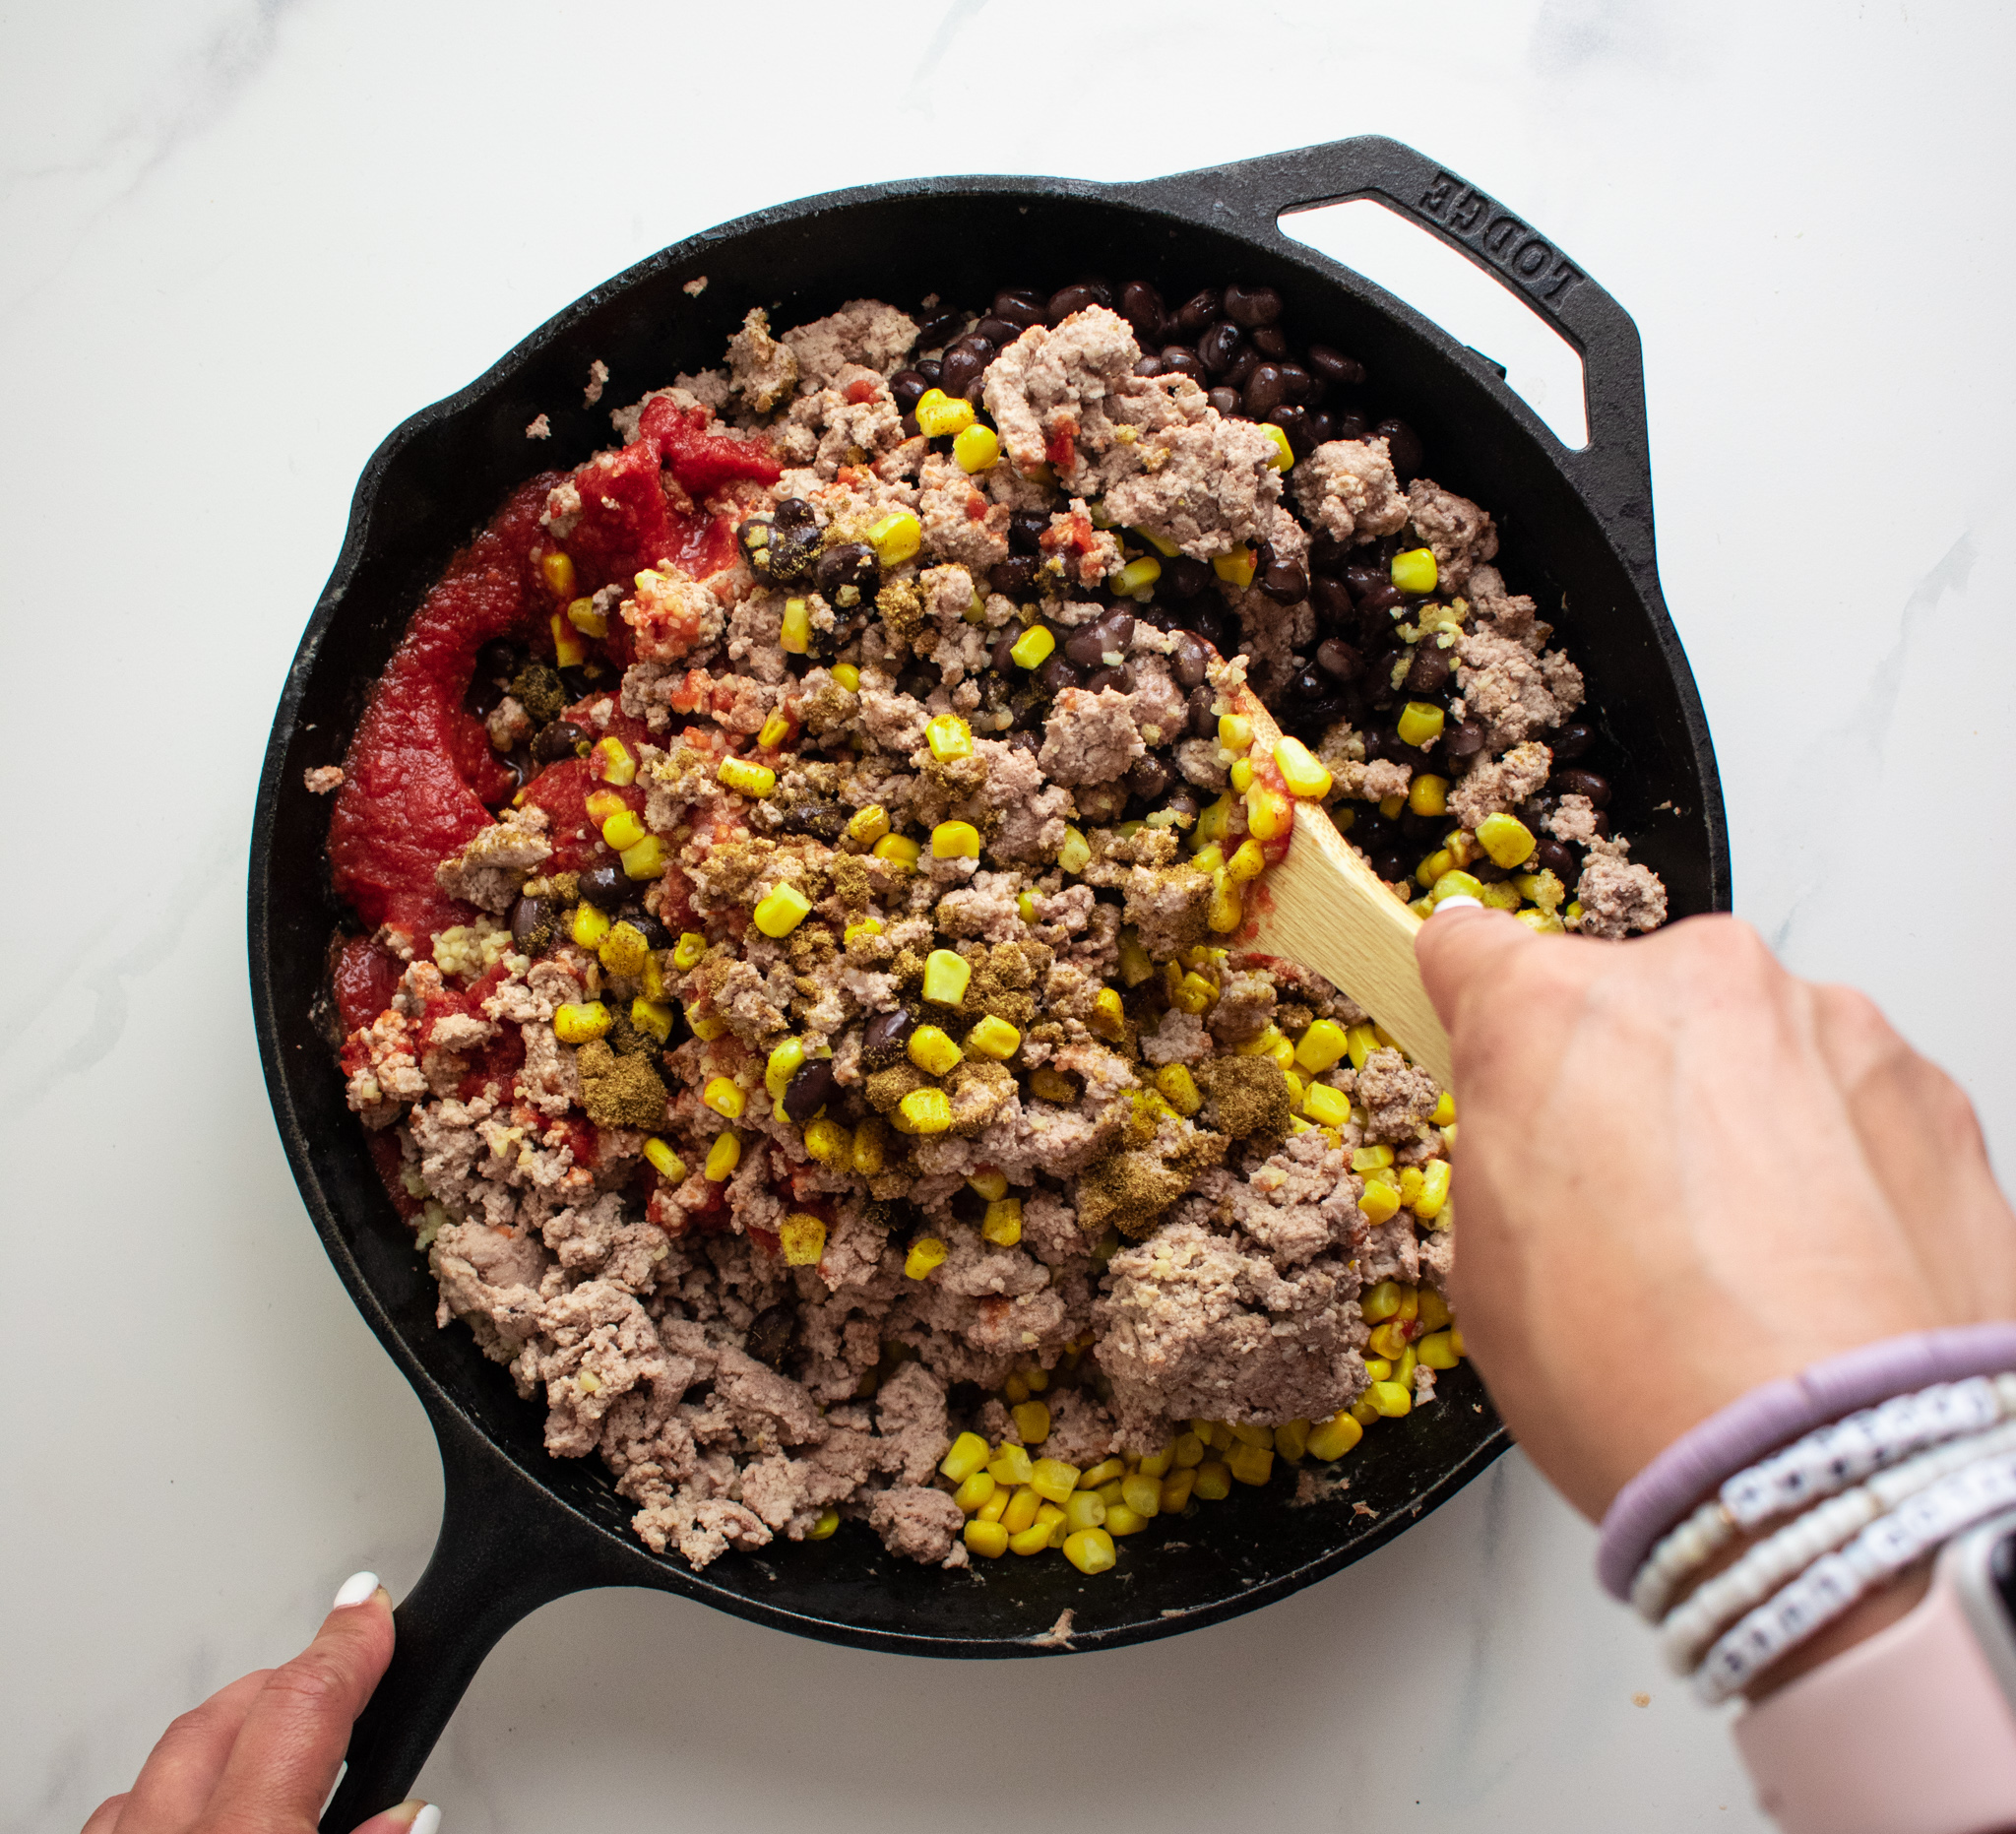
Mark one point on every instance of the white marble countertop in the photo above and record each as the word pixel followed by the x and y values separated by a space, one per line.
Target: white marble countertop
pixel 243 240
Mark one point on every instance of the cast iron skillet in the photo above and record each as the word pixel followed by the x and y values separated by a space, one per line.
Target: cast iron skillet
pixel 521 1528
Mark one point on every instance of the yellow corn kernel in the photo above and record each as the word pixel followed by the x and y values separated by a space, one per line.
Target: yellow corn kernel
pixel 1053 1480
pixel 924 1111
pixel 794 632
pixel 1456 1340
pixel 1434 1190
pixel 782 910
pixel 895 538
pixel 1209 859
pixel 1378 1369
pixel 1420 723
pixel 1214 824
pixel 661 1159
pixel 1021 1510
pixel 1107 1470
pixel 939 414
pixel 1155 1463
pixel 1176 1486
pixel 1214 1480
pixel 1178 1088
pixel 1108 1016
pixel 1235 568
pixel 1291 1439
pixel 1432 868
pixel 1084 1509
pixel 1540 923
pixel 1413 571
pixel 1300 769
pixel 900 849
pixel 1235 732
pixel 653 980
pixel 1322 1046
pixel 1432 1309
pixel 1438 1350
pixel 1049 1084
pixel 1269 813
pixel 750 780
pixel 1358 1045
pixel 623 829
pixel 1194 994
pixel 706 1027
pixel 1428 794
pixel 653 1018
pixel 821 1529
pixel 1241 775
pixel 1002 1223
pixel 1012 1465
pixel 725 1096
pixel 569 652
pixel 848 676
pixel 645 858
pixel 1226 909
pixel 976 1488
pixel 688 950
pixel 934 1053
pixel 827 1143
pixel 925 1255
pixel 1074 852
pixel 1411 1181
pixel 867 927
pixel 976 449
pixel 1246 1433
pixel 578 1024
pixel 1507 839
pixel 1456 884
pixel 991 1036
pixel 988 1183
pixel 868 1150
pixel 1141 1493
pixel 868 825
pixel 1033 648
pixel 949 737
pixel 1091 1551
pixel 1363 1411
pixel 557 570
pixel 988 1539
pixel 1283 458
pixel 609 760
pixel 1250 1464
pixel 1380 1203
pixel 1388 1340
pixel 1043 1533
pixel 785 1062
pixel 996 1505
pixel 1372 1157
pixel 1247 860
pixel 802 1239
pixel 1032 1420
pixel 1326 1106
pixel 1334 1437
pixel 589 927
pixel 946 978
pixel 1389 1400
pixel 775 729
pixel 723 1157
pixel 1137 575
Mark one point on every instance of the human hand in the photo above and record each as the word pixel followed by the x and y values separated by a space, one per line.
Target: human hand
pixel 260 1756
pixel 1680 1173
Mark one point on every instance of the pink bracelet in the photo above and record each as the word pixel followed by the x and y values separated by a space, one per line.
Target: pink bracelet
pixel 1706 1456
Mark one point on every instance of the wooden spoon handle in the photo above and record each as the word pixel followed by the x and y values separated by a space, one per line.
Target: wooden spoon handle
pixel 1326 909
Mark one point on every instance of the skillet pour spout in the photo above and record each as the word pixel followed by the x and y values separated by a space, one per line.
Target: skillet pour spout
pixel 521 1528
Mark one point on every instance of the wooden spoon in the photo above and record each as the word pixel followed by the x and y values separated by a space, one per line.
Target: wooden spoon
pixel 1326 909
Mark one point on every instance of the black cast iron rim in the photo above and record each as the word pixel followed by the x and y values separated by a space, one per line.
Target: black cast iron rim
pixel 520 1528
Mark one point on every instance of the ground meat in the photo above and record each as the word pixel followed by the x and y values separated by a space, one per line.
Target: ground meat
pixel 918 1523
pixel 1513 691
pixel 492 868
pixel 863 331
pixel 1496 788
pixel 761 370
pixel 1397 1098
pixel 1618 897
pixel 1453 528
pixel 1089 737
pixel 1348 489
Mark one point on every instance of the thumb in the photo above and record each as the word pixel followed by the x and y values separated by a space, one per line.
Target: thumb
pixel 1465 947
pixel 295 1736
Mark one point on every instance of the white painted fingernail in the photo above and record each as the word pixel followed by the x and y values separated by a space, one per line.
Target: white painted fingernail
pixel 427 1820
pixel 1456 900
pixel 354 1591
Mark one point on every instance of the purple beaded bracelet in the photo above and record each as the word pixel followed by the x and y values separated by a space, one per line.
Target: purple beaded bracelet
pixel 1707 1456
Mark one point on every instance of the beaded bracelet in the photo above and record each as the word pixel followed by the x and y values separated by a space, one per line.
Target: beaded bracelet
pixel 1835 1581
pixel 1688 1630
pixel 1822 1463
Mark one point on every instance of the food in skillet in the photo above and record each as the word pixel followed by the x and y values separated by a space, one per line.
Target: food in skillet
pixel 800 858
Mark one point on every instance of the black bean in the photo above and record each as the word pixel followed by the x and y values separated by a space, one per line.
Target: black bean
pixel 1120 680
pixel 1601 822
pixel 1338 659
pixel 1021 309
pixel 531 923
pixel 1179 360
pixel 1251 305
pixel 1265 391
pixel 1025 738
pixel 606 886
pixel 1582 783
pixel 770 1334
pixel 852 564
pixel 1421 827
pixel 998 332
pixel 1244 365
pixel 1301 385
pixel 1186 576
pixel 967 1205
pixel 1197 312
pixel 1464 739
pixel 1202 721
pixel 1327 554
pixel 1307 683
pixel 1270 341
pixel 937 331
pixel 1015 577
pixel 1150 778
pixel 1209 622
pixel 918 681
pixel 1322 428
pixel 963 368
pixel 1092 643
pixel 1350 426
pixel 1294 422
pixel 1380 596
pixel 794 513
pixel 1393 867
pixel 1070 299
pixel 884 1037
pixel 910 429
pixel 823 821
pixel 810 1089
pixel 931 369
pixel 1571 741
pixel 1403 447
pixel 1487 871
pixel 1140 306
pixel 1333 600
pixel 1430 668
pixel 1552 855
pixel 1057 674
pixel 558 739
pixel 907 388
pixel 1189 661
pixel 1026 531
pixel 1182 802
pixel 1284 580
pixel 1334 366
pixel 1148 366
pixel 1220 348
pixel 1227 401
pixel 498 658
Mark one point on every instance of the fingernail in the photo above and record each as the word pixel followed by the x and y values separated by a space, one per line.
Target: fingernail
pixel 418 1816
pixel 355 1590
pixel 1456 900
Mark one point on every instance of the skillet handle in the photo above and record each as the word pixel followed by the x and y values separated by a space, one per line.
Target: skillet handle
pixel 1615 469
pixel 502 1552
